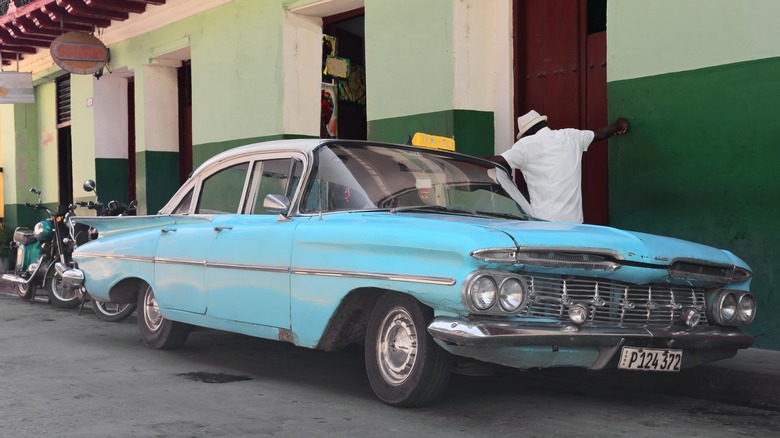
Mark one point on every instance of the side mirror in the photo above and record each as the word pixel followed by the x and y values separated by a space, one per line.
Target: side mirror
pixel 89 185
pixel 277 204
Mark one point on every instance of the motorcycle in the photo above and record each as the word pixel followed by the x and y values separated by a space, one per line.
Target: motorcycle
pixel 81 234
pixel 37 252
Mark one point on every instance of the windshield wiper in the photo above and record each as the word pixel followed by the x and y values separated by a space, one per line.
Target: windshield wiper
pixel 428 208
pixel 504 215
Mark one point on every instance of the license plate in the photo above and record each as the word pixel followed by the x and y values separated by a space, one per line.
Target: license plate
pixel 650 359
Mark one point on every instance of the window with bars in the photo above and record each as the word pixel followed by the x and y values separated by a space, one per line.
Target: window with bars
pixel 63 99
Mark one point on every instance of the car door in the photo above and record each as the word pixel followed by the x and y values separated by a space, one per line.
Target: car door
pixel 248 274
pixel 182 251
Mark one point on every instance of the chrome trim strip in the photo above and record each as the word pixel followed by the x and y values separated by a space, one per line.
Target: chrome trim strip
pixel 116 256
pixel 444 281
pixel 244 267
pixel 186 262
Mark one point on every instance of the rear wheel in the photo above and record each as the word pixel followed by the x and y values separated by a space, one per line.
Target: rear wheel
pixel 156 331
pixel 404 364
pixel 60 296
pixel 26 291
pixel 113 312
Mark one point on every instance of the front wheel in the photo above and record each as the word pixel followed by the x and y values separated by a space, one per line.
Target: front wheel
pixel 26 291
pixel 156 331
pixel 404 365
pixel 113 312
pixel 60 296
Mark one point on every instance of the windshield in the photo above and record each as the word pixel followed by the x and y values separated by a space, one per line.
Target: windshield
pixel 349 177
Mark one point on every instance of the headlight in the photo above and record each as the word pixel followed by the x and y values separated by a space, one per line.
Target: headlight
pixel 513 294
pixel 728 307
pixel 731 307
pixel 746 310
pixel 483 292
pixel 578 313
pixel 43 230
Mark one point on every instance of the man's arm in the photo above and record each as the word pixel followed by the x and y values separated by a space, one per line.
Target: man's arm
pixel 619 127
pixel 498 159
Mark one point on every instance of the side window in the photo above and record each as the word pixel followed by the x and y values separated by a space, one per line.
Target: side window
pixel 221 192
pixel 273 177
pixel 184 205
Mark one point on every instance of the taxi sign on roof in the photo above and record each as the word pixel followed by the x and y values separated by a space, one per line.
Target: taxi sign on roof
pixel 433 141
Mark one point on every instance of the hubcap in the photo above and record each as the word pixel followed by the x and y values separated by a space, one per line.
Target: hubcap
pixel 151 312
pixel 397 346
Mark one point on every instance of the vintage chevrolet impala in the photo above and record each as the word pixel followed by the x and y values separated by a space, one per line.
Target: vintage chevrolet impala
pixel 418 255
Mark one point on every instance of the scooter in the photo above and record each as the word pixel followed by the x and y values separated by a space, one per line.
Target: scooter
pixel 81 234
pixel 37 251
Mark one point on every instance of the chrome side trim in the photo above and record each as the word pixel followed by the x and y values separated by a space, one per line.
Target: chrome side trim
pixel 443 281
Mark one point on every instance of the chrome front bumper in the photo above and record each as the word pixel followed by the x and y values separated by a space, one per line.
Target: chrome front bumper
pixel 486 333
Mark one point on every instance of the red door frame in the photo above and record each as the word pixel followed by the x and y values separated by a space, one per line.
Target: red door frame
pixel 553 50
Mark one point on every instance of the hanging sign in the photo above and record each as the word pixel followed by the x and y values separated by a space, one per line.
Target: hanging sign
pixel 79 53
pixel 16 87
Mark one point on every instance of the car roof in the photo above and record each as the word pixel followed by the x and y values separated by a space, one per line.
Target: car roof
pixel 304 145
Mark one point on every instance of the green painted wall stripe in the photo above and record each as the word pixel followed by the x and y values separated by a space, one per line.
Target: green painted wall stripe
pixel 473 131
pixel 158 178
pixel 112 179
pixel 701 162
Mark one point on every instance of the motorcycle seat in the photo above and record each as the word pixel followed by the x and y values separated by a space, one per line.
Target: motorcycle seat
pixel 24 236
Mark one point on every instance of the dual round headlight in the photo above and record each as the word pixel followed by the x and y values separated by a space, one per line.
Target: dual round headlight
pixel 734 308
pixel 495 292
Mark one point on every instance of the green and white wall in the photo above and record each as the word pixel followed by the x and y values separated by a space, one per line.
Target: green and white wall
pixel 699 82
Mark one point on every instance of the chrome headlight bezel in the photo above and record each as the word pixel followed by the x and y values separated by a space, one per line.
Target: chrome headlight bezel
pixel 511 293
pixel 732 307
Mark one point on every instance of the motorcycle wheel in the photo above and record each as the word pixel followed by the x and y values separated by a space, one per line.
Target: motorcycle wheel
pixel 26 291
pixel 59 296
pixel 112 312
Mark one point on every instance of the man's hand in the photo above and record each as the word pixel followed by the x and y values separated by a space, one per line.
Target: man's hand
pixel 622 125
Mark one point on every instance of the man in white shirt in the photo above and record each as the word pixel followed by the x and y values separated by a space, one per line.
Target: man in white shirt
pixel 551 163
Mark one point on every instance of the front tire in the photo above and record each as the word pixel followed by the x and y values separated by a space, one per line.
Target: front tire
pixel 26 291
pixel 58 295
pixel 404 365
pixel 156 331
pixel 113 312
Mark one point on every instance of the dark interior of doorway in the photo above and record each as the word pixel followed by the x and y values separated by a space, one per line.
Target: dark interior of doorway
pixel 184 74
pixel 64 144
pixel 350 106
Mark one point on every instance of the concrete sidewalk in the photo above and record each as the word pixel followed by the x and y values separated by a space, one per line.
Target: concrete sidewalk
pixel 751 378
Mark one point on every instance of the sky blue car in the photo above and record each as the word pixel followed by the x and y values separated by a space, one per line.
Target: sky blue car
pixel 418 255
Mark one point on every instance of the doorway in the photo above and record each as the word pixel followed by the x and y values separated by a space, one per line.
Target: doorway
pixel 343 95
pixel 560 53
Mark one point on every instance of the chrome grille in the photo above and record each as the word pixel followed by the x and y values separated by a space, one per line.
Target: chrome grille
pixel 612 303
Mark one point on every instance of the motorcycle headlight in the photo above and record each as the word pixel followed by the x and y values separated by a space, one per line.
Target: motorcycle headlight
pixel 43 230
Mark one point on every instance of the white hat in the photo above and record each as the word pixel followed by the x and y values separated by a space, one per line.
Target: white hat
pixel 527 121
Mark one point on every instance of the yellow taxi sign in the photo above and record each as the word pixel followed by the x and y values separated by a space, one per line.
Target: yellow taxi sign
pixel 433 141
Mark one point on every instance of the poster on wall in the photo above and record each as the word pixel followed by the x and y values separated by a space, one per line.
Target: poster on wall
pixel 16 87
pixel 328 111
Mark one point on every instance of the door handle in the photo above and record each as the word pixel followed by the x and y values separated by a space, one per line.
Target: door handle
pixel 223 227
pixel 167 230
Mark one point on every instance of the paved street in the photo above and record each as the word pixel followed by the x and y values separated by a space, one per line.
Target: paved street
pixel 69 375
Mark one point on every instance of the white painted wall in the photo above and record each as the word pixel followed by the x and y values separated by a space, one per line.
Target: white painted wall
pixel 646 38
pixel 301 75
pixel 110 113
pixel 161 109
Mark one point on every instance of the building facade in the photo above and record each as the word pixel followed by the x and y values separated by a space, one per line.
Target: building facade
pixel 187 79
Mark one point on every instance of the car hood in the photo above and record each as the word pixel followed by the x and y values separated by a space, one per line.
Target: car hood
pixel 629 245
